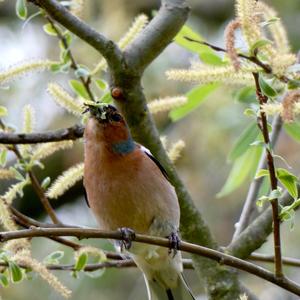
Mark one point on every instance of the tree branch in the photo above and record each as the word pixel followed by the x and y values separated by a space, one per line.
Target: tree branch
pixel 219 257
pixel 273 177
pixel 157 35
pixel 71 133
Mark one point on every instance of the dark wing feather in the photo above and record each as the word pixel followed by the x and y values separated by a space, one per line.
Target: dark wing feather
pixel 85 195
pixel 156 161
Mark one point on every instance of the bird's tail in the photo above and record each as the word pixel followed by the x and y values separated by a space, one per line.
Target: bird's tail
pixel 158 292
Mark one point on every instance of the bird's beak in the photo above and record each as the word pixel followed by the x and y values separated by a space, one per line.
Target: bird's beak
pixel 98 112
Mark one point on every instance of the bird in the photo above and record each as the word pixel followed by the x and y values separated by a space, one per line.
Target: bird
pixel 127 187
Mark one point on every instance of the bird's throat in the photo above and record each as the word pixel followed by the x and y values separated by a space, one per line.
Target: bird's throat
pixel 123 147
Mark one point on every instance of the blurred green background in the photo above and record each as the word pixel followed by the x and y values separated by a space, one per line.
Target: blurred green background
pixel 212 130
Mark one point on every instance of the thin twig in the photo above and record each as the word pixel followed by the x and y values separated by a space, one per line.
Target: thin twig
pixel 253 59
pixel 273 178
pixel 163 242
pixel 255 185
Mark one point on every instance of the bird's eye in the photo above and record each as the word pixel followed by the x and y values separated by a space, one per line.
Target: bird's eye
pixel 116 117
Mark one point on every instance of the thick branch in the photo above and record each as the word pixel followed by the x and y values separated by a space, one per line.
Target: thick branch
pixel 184 246
pixel 71 133
pixel 157 35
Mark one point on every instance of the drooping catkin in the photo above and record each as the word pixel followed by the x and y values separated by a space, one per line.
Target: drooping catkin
pixel 288 103
pixel 166 104
pixel 137 26
pixel 64 99
pixel 24 257
pixel 65 181
pixel 44 150
pixel 23 68
pixel 230 43
pixel 175 150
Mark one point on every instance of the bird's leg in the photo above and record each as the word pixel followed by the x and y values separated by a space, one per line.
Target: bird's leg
pixel 128 235
pixel 174 242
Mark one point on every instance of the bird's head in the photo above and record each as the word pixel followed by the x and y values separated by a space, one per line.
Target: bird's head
pixel 107 125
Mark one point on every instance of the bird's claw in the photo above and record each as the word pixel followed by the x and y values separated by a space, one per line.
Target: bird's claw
pixel 174 243
pixel 128 235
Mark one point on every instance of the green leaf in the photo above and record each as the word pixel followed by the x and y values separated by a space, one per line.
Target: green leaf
pixel 3 157
pixel 245 95
pixel 45 183
pixel 289 181
pixel 269 22
pixel 206 54
pixel 293 130
pixel 3 280
pixel 266 88
pixel 18 175
pixel 54 257
pixel 259 44
pixel 16 274
pixel 243 142
pixel 21 9
pixel 101 84
pixel 242 167
pixel 48 28
pixel 250 112
pixel 3 111
pixel 195 97
pixel 293 84
pixel 81 261
pixel 79 88
pixel 262 173
pixel 106 98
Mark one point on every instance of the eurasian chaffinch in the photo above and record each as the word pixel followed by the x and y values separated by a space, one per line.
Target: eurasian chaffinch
pixel 128 188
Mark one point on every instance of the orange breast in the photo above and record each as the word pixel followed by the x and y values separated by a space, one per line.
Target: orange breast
pixel 127 191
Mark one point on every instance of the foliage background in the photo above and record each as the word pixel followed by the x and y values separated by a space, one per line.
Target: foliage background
pixel 209 133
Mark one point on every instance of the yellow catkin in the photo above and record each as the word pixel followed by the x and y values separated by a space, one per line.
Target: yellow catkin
pixel 280 62
pixel 65 181
pixel 28 126
pixel 166 104
pixel 230 43
pixel 6 174
pixel 17 245
pixel 24 257
pixel 276 29
pixel 288 104
pixel 47 149
pixel 245 10
pixel 164 141
pixel 175 150
pixel 77 8
pixel 271 109
pixel 65 100
pixel 21 69
pixel 249 16
pixel 207 74
pixel 13 191
pixel 28 119
pixel 137 26
pixel 5 217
